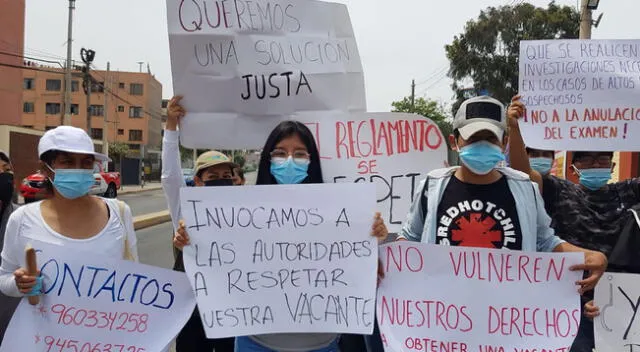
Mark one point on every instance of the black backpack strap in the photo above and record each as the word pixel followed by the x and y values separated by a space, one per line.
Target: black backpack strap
pixel 424 202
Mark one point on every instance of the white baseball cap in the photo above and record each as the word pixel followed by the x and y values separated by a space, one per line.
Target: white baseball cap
pixel 68 139
pixel 479 114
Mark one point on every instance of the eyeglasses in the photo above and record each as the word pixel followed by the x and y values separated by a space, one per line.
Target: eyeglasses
pixel 588 161
pixel 280 156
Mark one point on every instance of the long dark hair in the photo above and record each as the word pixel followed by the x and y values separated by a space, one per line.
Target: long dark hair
pixel 284 130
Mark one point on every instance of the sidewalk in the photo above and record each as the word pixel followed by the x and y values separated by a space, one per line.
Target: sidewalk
pixel 150 186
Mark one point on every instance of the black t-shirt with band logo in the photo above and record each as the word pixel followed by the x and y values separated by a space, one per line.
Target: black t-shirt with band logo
pixel 478 216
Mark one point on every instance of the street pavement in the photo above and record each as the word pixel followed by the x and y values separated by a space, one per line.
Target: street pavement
pixel 145 202
pixel 154 245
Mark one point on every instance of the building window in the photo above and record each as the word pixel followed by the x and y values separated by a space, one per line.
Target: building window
pixel 120 132
pixel 96 133
pixel 28 107
pixel 135 135
pixel 165 103
pixel 28 84
pixel 135 112
pixel 75 86
pixel 120 108
pixel 97 87
pixel 134 146
pixel 121 85
pixel 54 85
pixel 96 110
pixel 75 109
pixel 136 89
pixel 52 108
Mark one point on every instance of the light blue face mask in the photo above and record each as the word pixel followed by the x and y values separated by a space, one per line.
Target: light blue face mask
pixel 594 179
pixel 481 157
pixel 73 183
pixel 289 172
pixel 542 165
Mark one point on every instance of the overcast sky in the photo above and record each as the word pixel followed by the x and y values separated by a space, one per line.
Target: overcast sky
pixel 398 40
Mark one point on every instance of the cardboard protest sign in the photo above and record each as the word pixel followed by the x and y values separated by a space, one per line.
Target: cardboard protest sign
pixel 261 262
pixel 617 329
pixel 97 304
pixel 441 298
pixel 243 66
pixel 581 94
pixel 394 151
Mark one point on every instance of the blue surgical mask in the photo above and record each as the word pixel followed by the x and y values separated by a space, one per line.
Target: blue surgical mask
pixel 73 183
pixel 289 172
pixel 481 157
pixel 542 165
pixel 594 179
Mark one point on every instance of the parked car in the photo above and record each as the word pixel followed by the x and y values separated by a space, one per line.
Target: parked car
pixel 106 184
pixel 188 177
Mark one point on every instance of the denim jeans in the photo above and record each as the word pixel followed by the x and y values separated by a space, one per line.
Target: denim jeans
pixel 245 344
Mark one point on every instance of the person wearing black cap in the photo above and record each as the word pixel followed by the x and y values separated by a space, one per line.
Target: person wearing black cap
pixel 7 304
pixel 588 214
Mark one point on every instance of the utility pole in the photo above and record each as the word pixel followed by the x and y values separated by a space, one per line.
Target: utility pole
pixel 67 78
pixel 87 57
pixel 413 95
pixel 105 125
pixel 586 20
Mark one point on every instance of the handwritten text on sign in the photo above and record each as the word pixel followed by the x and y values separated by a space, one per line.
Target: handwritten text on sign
pixel 394 151
pixel 282 259
pixel 243 66
pixel 440 298
pixel 100 305
pixel 616 329
pixel 581 94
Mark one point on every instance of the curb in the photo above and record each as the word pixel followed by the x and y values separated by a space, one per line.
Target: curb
pixel 121 193
pixel 153 219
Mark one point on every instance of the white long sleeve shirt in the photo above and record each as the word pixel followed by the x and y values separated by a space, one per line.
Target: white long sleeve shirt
pixel 26 225
pixel 172 179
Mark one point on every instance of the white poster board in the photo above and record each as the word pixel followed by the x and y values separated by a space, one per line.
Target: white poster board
pixel 618 326
pixel 394 151
pixel 98 304
pixel 439 298
pixel 243 66
pixel 581 94
pixel 282 259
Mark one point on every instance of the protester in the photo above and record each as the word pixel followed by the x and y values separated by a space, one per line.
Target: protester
pixel 479 205
pixel 588 214
pixel 238 177
pixel 70 218
pixel 541 160
pixel 289 156
pixel 7 304
pixel 212 169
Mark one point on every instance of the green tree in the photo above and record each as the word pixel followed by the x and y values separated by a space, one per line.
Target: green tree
pixel 487 52
pixel 427 108
pixel 117 151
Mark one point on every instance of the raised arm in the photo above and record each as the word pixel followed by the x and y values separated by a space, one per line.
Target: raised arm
pixel 172 179
pixel 518 157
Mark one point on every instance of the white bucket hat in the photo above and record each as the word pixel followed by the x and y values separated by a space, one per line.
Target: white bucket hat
pixel 68 139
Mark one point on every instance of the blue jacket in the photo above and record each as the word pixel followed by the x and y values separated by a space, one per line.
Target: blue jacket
pixel 537 235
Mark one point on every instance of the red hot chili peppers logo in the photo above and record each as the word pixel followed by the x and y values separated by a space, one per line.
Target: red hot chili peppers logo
pixel 478 224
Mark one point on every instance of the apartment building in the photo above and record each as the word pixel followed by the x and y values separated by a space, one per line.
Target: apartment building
pixel 11 49
pixel 124 106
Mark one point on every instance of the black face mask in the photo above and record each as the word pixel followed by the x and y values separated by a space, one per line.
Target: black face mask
pixel 6 187
pixel 219 182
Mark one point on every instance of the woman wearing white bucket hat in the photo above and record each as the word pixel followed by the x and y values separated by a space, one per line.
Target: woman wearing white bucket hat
pixel 70 217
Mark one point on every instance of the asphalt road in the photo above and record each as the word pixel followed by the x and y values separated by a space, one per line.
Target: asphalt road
pixel 145 202
pixel 154 245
